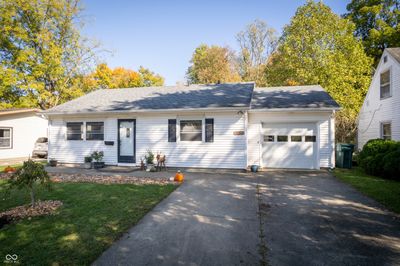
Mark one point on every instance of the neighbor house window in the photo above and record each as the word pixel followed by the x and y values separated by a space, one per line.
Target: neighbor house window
pixel 94 130
pixel 385 84
pixel 75 131
pixel 5 138
pixel 191 130
pixel 386 130
pixel 310 138
pixel 282 138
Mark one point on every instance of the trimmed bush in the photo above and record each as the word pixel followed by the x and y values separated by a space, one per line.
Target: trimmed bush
pixel 381 158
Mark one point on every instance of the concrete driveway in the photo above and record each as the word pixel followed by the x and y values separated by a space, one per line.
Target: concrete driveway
pixel 311 218
pixel 275 218
pixel 209 220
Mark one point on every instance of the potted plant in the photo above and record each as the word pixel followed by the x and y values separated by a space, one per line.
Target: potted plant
pixel 53 162
pixel 98 159
pixel 88 162
pixel 254 168
pixel 149 157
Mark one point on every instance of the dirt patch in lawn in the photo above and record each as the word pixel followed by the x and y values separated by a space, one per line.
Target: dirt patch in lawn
pixel 114 179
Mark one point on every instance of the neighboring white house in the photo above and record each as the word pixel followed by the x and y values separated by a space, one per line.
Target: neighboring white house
pixel 229 125
pixel 380 114
pixel 19 129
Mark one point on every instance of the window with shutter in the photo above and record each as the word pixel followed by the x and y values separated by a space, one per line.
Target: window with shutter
pixel 171 130
pixel 209 130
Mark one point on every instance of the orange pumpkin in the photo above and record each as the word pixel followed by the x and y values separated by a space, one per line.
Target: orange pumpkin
pixel 179 176
pixel 9 169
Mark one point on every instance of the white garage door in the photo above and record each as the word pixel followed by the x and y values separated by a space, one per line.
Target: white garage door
pixel 289 145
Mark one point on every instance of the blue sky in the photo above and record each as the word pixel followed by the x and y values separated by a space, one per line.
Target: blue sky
pixel 162 35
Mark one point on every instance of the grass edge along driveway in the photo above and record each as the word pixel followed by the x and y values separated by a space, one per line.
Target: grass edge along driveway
pixel 92 217
pixel 384 191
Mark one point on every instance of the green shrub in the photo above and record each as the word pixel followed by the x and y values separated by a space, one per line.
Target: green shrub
pixel 391 164
pixel 381 157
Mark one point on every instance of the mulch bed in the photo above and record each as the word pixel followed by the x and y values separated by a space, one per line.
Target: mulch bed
pixel 26 211
pixel 103 179
pixel 113 179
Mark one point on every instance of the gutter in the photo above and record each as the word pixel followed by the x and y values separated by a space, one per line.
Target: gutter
pixel 193 110
pixel 323 109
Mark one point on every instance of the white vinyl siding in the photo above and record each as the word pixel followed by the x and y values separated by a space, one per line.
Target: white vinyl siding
pixel 324 132
pixel 375 110
pixel 227 150
pixel 66 151
pixel 26 128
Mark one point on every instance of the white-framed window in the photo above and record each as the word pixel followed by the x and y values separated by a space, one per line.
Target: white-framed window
pixel 6 134
pixel 385 91
pixel 386 130
pixel 282 138
pixel 269 138
pixel 94 130
pixel 75 131
pixel 191 130
pixel 310 138
pixel 296 138
pixel 85 130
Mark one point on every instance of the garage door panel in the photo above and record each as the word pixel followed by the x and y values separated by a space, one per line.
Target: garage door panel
pixel 296 154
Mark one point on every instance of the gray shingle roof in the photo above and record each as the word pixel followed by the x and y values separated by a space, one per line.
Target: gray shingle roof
pixel 292 97
pixel 215 96
pixel 228 95
pixel 395 52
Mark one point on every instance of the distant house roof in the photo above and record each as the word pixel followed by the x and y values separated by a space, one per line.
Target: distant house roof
pixel 214 96
pixel 395 52
pixel 292 97
pixel 198 97
pixel 12 111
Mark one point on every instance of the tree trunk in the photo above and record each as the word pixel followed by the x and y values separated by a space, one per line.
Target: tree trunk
pixel 32 197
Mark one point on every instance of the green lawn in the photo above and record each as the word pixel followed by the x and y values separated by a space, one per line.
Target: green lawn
pixel 385 191
pixel 92 217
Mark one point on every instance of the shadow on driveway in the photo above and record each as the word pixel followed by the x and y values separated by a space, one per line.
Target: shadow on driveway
pixel 311 218
pixel 209 220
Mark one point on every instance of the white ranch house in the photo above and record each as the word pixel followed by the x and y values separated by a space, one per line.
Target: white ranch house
pixel 379 116
pixel 231 125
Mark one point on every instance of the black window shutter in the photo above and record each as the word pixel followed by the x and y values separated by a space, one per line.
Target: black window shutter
pixel 209 129
pixel 171 130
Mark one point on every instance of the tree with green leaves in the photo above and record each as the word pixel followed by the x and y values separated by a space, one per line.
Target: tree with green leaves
pixel 27 176
pixel 212 64
pixel 377 24
pixel 318 47
pixel 41 52
pixel 256 42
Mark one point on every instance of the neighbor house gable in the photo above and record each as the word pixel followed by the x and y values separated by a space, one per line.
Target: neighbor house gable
pixel 381 105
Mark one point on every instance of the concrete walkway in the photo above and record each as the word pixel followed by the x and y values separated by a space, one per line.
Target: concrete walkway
pixel 209 220
pixel 275 218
